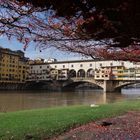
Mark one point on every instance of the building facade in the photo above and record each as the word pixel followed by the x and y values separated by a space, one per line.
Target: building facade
pixel 13 66
pixel 99 70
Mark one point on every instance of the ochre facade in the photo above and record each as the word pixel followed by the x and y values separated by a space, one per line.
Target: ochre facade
pixel 13 66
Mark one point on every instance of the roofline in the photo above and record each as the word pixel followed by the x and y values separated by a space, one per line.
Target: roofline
pixel 71 61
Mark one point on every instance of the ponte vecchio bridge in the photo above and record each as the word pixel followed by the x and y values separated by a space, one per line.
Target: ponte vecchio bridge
pixel 109 75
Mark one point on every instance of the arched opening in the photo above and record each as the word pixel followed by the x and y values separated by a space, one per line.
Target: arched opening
pixel 81 73
pixel 90 73
pixel 81 85
pixel 72 73
pixel 125 86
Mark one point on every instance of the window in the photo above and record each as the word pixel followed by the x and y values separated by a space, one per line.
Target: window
pixel 100 64
pixel 72 66
pixel 63 66
pixel 90 65
pixel 81 65
pixel 55 66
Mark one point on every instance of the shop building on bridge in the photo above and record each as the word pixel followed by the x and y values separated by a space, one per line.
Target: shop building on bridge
pixel 99 70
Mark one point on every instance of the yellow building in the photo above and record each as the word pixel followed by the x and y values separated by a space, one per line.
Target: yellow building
pixel 13 66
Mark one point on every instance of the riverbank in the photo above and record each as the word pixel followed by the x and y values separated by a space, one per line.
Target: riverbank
pixel 46 123
pixel 124 127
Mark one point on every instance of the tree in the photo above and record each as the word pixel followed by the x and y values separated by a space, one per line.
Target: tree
pixel 100 29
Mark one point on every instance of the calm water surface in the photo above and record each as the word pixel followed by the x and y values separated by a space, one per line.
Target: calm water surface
pixel 23 100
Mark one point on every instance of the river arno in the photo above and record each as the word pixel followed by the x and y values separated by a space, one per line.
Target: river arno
pixel 23 100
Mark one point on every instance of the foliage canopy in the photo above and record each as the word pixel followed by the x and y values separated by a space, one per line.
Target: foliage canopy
pixel 100 29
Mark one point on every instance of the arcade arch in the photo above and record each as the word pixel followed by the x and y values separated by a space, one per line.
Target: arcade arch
pixel 72 73
pixel 81 73
pixel 90 73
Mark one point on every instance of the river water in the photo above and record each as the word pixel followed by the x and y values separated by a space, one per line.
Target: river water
pixel 23 100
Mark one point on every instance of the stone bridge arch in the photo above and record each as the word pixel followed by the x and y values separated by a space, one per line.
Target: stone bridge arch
pixel 40 85
pixel 106 85
pixel 75 82
pixel 121 85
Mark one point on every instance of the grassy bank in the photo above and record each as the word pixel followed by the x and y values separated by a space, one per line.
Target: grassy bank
pixel 37 124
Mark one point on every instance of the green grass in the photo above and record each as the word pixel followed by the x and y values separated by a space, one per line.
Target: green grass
pixel 50 122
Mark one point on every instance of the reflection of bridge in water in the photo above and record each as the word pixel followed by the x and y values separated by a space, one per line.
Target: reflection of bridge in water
pixel 106 85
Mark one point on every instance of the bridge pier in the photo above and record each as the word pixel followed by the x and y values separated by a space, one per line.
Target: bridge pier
pixel 108 86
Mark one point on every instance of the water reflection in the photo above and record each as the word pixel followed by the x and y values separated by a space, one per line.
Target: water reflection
pixel 22 100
